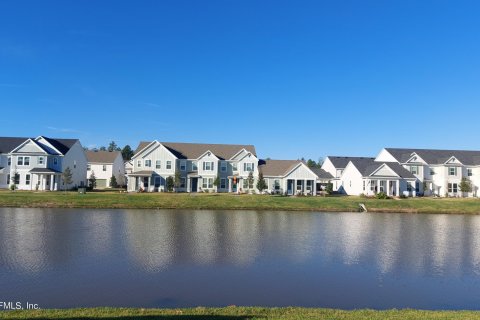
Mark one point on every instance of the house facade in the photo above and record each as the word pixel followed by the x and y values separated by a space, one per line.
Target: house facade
pixel 38 163
pixel 104 165
pixel 292 177
pixel 335 166
pixel 198 167
pixel 439 172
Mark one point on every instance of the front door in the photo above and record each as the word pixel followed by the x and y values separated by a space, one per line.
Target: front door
pixel 194 185
pixel 289 187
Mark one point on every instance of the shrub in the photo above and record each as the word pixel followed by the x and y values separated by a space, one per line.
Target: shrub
pixel 402 196
pixel 329 188
pixel 382 195
pixel 363 195
pixel 13 187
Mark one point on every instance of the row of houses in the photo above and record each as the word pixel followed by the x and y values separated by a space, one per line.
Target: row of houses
pixel 38 163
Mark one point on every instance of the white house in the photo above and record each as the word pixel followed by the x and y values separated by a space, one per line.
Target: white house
pixel 104 165
pixel 198 166
pixel 369 177
pixel 335 166
pixel 292 177
pixel 38 163
pixel 439 172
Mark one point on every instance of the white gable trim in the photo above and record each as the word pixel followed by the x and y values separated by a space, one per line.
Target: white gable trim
pixel 206 152
pixel 145 148
pixel 455 161
pixel 381 167
pixel 26 142
pixel 49 144
pixel 415 155
pixel 236 154
pixel 349 164
pixel 246 155
pixel 296 167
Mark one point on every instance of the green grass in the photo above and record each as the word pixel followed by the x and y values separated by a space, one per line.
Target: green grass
pixel 232 202
pixel 237 313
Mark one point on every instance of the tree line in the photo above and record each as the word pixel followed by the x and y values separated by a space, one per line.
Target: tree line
pixel 127 152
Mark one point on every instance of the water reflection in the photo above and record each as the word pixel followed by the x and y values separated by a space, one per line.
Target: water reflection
pixel 328 248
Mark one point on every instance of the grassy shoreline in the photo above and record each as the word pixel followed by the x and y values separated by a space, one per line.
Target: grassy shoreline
pixel 116 200
pixel 236 313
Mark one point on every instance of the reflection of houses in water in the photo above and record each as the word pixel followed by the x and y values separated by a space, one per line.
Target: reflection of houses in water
pixel 387 249
pixel 23 237
pixel 151 239
pixel 242 237
pixel 354 231
pixel 473 232
pixel 99 230
pixel 204 233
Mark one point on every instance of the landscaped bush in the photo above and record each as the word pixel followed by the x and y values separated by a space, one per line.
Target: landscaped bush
pixel 402 196
pixel 382 195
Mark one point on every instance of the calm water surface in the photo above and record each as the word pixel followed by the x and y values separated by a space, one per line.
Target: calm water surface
pixel 169 258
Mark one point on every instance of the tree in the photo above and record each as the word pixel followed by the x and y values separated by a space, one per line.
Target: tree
pixel 92 180
pixel 261 183
pixel 177 179
pixel 67 177
pixel 311 163
pixel 14 178
pixel 127 153
pixel 465 186
pixel 113 182
pixel 170 183
pixel 216 182
pixel 102 148
pixel 329 188
pixel 112 146
pixel 320 162
pixel 250 180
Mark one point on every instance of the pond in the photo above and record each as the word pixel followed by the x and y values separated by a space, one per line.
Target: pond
pixel 61 258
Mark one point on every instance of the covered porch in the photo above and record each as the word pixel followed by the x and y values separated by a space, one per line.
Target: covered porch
pixel 141 181
pixel 300 186
pixel 391 187
pixel 46 179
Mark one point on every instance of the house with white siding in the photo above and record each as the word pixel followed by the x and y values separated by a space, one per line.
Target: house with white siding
pixel 198 166
pixel 38 163
pixel 292 177
pixel 104 165
pixel 335 166
pixel 439 172
pixel 369 177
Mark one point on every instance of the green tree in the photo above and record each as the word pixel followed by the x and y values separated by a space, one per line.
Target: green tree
pixel 127 153
pixel 320 162
pixel 92 180
pixel 261 183
pixel 113 182
pixel 329 188
pixel 170 183
pixel 250 180
pixel 465 186
pixel 177 179
pixel 311 163
pixel 67 178
pixel 102 148
pixel 14 179
pixel 112 146
pixel 216 182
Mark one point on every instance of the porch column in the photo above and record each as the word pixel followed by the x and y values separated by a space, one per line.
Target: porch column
pixel 188 184
pixel 388 187
pixel 397 186
pixel 51 182
pixel 149 184
pixel 230 183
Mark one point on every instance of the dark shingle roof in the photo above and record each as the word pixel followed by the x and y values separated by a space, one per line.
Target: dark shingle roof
pixel 62 145
pixel 432 156
pixel 101 156
pixel 195 150
pixel 322 174
pixel 367 166
pixel 7 144
pixel 341 162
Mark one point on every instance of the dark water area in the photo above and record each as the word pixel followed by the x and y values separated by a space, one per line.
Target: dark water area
pixel 61 258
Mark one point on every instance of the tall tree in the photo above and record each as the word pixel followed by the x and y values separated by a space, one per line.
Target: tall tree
pixel 67 178
pixel 113 182
pixel 92 180
pixel 112 146
pixel 102 148
pixel 170 183
pixel 216 182
pixel 465 186
pixel 261 183
pixel 250 180
pixel 177 179
pixel 127 153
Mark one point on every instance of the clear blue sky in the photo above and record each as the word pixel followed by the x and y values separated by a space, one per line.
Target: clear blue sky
pixel 295 78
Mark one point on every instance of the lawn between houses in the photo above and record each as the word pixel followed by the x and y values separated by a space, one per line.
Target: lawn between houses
pixel 236 313
pixel 211 201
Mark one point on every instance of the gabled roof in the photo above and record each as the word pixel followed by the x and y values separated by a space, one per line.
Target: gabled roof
pixel 101 156
pixel 277 168
pixel 433 156
pixel 322 174
pixel 62 145
pixel 341 162
pixel 194 150
pixel 7 144
pixel 367 166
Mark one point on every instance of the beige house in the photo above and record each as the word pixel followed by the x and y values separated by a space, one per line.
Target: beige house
pixel 104 165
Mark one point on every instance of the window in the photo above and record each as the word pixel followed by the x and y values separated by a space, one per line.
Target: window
pixel 373 186
pixel 20 161
pixel 169 165
pixel 26 161
pixel 452 171
pixel 363 185
pixel 409 187
pixel 148 163
pixel 235 166
pixel 194 166
pixel 208 166
pixel 469 172
pixel 9 161
pixel 207 183
pixel 55 161
pixel 382 186
pixel 248 166
pixel 432 172
pixel 74 164
pixel 139 163
pixel 276 184
pixel 89 167
pixel 223 167
pixel 27 179
pixel 17 179
pixel 104 167
pixel 414 169
pixel 158 164
pixel 299 185
pixel 245 184
pixel 309 185
pixel 452 188
pixel 183 182
pixel 183 165
pixel 223 183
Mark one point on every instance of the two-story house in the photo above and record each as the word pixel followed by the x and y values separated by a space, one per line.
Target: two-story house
pixel 104 165
pixel 198 167
pixel 38 163
pixel 335 166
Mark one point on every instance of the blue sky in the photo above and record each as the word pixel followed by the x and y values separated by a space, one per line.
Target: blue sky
pixel 295 78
